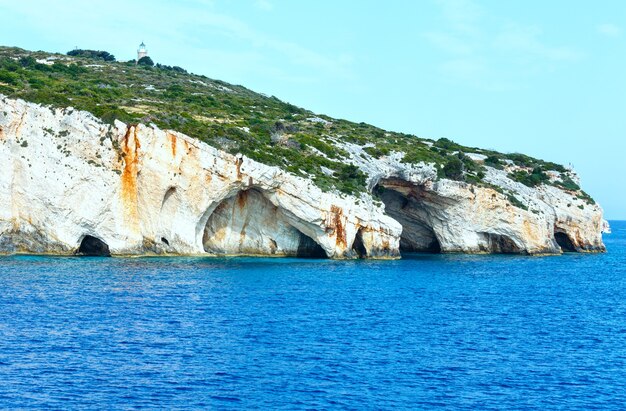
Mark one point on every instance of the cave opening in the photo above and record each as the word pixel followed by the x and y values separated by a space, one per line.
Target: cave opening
pixel 308 248
pixel 165 241
pixel 248 223
pixel 93 247
pixel 434 247
pixel 417 235
pixel 358 247
pixel 566 244
pixel 500 244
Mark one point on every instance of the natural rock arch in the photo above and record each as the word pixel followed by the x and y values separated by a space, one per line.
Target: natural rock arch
pixel 425 220
pixel 247 223
pixel 93 247
pixel 565 242
pixel 403 206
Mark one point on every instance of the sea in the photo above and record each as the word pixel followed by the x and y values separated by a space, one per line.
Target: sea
pixel 428 331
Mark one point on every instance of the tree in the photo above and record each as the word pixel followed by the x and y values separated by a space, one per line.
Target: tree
pixel 453 169
pixel 145 61
pixel 446 144
pixel 93 54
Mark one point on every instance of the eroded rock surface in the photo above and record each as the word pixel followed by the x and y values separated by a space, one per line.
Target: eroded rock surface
pixel 451 216
pixel 140 190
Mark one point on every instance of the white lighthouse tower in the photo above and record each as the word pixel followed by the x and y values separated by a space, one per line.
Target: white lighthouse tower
pixel 141 51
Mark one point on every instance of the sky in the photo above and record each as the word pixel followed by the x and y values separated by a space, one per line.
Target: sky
pixel 542 78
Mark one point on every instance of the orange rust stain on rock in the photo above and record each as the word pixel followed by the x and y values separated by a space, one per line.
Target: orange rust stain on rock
pixel 130 148
pixel 338 225
pixel 172 138
pixel 242 199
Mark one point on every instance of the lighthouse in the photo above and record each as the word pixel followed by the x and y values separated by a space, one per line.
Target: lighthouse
pixel 141 51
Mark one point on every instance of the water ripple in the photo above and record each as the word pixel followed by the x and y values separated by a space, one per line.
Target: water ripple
pixel 429 331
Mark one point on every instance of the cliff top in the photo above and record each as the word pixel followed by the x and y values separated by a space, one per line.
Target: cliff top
pixel 238 120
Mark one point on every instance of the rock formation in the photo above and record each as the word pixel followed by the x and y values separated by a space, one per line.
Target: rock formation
pixel 72 184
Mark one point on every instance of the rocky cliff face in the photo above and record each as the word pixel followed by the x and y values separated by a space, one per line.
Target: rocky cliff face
pixel 71 184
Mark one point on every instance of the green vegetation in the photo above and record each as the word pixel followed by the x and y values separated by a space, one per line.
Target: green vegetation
pixel 567 184
pixel 586 197
pixel 453 169
pixel 494 161
pixel 536 177
pixel 237 120
pixel 145 61
pixel 93 54
pixel 516 202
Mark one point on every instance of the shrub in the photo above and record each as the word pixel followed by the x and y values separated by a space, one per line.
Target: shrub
pixel 521 160
pixel 494 162
pixel 453 169
pixel 446 144
pixel 171 68
pixel 530 179
pixel 313 141
pixel 588 199
pixel 8 77
pixel 109 113
pixel 28 62
pixel 567 183
pixel 145 61
pixel 516 202
pixel 376 151
pixel 92 54
pixel 351 178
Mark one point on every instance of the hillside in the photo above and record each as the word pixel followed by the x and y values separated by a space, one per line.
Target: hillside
pixel 237 120
pixel 103 157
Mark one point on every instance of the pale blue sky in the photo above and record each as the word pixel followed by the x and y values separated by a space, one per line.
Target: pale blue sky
pixel 546 78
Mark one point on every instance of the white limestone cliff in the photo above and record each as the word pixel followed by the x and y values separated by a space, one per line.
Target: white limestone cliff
pixel 70 183
pixel 451 216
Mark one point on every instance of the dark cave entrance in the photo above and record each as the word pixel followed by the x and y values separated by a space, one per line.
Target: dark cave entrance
pixel 307 248
pixel 432 248
pixel 93 247
pixel 410 211
pixel 566 244
pixel 500 244
pixel 358 247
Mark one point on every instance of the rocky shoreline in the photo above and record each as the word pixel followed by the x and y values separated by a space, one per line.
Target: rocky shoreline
pixel 72 184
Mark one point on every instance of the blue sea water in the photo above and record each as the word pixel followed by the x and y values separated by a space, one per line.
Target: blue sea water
pixel 428 331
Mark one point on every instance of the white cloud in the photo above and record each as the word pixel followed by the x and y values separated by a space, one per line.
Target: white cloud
pixel 483 50
pixel 264 5
pixel 526 40
pixel 610 30
pixel 461 15
pixel 336 65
